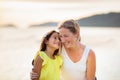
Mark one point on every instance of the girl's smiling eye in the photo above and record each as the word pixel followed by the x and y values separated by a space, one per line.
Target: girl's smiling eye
pixel 55 37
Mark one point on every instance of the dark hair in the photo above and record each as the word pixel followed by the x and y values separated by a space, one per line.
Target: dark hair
pixel 46 38
pixel 43 44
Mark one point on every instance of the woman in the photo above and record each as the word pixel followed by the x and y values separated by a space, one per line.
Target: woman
pixel 47 61
pixel 79 61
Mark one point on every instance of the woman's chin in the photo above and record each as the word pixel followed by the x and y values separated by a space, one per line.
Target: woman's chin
pixel 67 46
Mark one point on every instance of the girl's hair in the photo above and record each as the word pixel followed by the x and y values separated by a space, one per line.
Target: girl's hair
pixel 43 43
pixel 46 38
pixel 71 25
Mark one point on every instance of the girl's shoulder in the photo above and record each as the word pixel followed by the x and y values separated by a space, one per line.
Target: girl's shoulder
pixel 59 59
pixel 58 56
pixel 42 54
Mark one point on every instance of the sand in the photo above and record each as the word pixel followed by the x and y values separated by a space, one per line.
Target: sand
pixel 18 46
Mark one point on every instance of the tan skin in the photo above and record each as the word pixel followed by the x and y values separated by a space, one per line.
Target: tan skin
pixel 52 44
pixel 75 51
pixel 37 67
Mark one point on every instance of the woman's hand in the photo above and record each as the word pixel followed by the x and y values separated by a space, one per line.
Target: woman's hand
pixel 33 75
pixel 36 70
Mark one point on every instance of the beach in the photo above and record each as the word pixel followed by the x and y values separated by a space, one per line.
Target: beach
pixel 18 47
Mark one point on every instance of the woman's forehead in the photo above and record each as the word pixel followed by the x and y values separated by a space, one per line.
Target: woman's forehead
pixel 64 30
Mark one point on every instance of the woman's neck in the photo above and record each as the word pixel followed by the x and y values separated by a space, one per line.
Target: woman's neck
pixel 75 49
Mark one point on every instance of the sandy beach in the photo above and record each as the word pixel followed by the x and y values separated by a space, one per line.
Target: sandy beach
pixel 18 46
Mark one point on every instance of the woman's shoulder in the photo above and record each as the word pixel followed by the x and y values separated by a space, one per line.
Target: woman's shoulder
pixel 83 46
pixel 91 55
pixel 91 52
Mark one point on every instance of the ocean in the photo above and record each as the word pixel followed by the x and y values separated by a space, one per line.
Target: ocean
pixel 18 46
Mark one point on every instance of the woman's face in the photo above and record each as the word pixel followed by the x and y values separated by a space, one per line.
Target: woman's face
pixel 68 39
pixel 54 41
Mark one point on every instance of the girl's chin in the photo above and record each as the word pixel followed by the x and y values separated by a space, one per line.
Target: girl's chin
pixel 57 47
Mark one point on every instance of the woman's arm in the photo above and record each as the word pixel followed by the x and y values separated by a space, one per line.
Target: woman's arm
pixel 37 67
pixel 33 75
pixel 91 66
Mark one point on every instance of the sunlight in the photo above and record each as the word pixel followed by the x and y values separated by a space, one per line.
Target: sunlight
pixel 28 13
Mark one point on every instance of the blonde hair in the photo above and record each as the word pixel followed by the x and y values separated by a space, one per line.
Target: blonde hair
pixel 72 25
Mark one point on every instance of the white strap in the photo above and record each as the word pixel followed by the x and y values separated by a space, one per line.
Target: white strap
pixel 85 54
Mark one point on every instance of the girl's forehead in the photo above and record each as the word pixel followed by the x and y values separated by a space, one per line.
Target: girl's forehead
pixel 55 34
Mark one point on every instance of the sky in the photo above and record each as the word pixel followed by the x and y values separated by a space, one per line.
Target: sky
pixel 64 0
pixel 30 12
pixel 60 0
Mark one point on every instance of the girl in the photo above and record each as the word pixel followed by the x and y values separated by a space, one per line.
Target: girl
pixel 47 61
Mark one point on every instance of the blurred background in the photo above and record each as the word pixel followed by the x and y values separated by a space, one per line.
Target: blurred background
pixel 24 22
pixel 25 13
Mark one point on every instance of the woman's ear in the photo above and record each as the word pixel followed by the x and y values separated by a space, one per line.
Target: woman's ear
pixel 77 35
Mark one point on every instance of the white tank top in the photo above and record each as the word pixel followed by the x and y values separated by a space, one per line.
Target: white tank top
pixel 71 70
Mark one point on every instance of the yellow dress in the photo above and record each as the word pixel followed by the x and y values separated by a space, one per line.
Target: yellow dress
pixel 50 67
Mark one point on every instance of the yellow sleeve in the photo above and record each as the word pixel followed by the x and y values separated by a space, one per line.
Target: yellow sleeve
pixel 60 60
pixel 43 56
pixel 35 56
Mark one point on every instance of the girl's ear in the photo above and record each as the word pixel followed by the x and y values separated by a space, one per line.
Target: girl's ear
pixel 46 42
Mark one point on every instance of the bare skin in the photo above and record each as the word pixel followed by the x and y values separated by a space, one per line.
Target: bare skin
pixel 75 51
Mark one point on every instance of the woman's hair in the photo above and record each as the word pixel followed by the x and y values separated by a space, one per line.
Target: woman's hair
pixel 71 25
pixel 46 38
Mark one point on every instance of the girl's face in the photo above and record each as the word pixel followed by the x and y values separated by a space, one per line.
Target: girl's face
pixel 54 41
pixel 68 38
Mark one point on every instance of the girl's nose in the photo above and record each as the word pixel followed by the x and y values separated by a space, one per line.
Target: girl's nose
pixel 62 39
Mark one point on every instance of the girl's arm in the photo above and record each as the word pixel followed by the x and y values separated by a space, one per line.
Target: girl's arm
pixel 37 67
pixel 91 66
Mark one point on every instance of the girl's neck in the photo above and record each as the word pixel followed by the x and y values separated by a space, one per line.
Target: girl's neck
pixel 50 52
